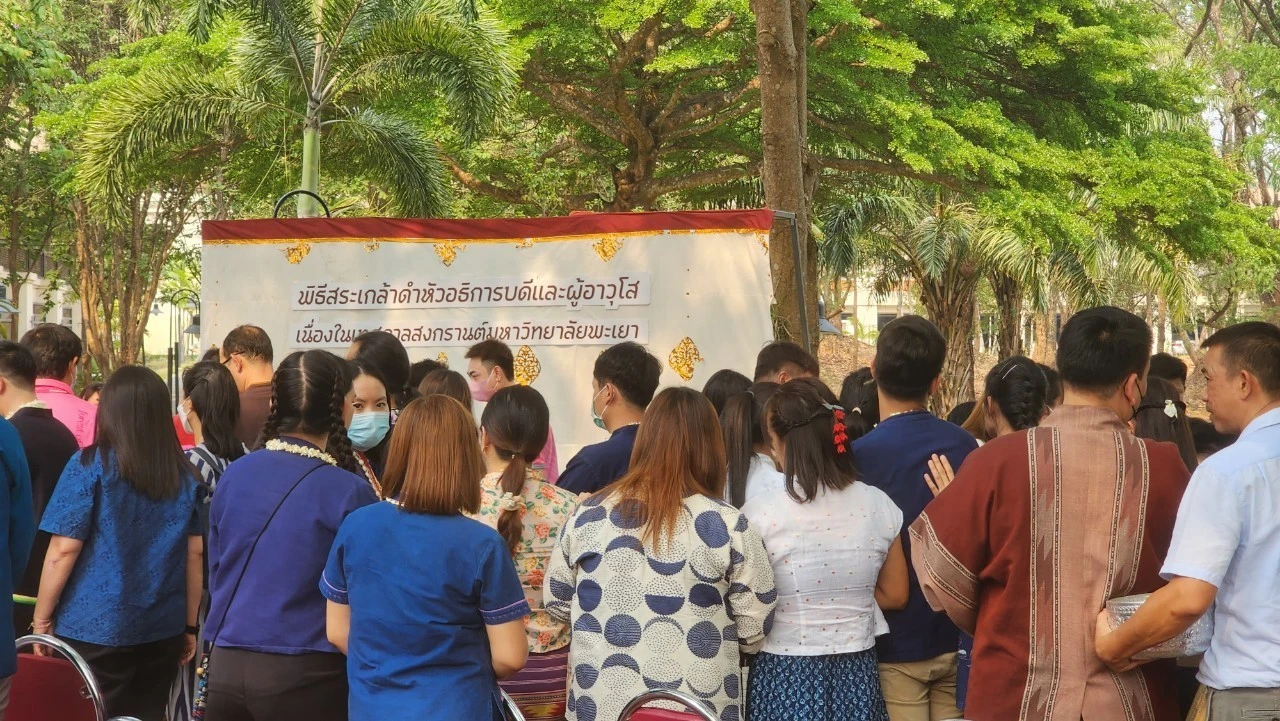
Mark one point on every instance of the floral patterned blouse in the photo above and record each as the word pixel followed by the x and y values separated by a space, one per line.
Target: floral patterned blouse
pixel 547 509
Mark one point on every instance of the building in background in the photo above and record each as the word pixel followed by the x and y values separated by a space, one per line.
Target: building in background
pixel 41 298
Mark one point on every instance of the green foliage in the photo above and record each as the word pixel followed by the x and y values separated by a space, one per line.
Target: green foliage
pixel 261 79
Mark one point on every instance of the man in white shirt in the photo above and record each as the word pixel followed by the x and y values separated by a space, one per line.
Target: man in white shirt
pixel 1226 544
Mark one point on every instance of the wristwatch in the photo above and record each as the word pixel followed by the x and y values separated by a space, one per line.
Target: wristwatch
pixel 192 630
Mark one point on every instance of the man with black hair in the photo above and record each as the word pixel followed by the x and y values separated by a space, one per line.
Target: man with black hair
pixel 1169 368
pixel 623 382
pixel 248 354
pixel 1226 543
pixel 491 366
pixel 918 659
pixel 781 361
pixel 1042 526
pixel 57 352
pixel 47 445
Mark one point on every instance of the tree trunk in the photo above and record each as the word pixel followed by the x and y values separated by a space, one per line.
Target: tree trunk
pixel 1162 320
pixel 307 206
pixel 1042 329
pixel 952 309
pixel 1008 295
pixel 782 132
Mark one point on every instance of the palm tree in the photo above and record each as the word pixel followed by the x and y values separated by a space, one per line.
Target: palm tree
pixel 842 235
pixel 943 246
pixel 327 68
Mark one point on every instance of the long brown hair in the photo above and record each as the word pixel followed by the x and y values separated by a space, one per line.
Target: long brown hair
pixel 516 422
pixel 434 465
pixel 1152 420
pixel 678 453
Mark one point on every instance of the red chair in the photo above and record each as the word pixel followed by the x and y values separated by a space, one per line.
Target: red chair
pixel 637 711
pixel 48 688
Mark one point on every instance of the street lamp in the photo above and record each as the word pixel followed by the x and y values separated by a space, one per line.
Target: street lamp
pixel 191 299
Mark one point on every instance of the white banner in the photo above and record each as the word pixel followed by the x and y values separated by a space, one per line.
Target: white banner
pixel 568 292
pixel 316 333
pixel 698 300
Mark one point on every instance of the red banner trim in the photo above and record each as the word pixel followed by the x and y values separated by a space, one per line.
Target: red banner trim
pixel 580 226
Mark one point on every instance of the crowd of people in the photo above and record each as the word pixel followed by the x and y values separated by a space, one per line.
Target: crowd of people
pixel 370 538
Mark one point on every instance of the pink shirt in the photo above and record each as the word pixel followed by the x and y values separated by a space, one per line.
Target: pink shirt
pixel 547 460
pixel 79 416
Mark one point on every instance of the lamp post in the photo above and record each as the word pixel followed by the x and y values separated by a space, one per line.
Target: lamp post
pixel 192 299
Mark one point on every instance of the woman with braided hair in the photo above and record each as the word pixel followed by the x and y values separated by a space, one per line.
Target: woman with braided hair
pixel 529 513
pixel 833 542
pixel 272 523
pixel 1016 397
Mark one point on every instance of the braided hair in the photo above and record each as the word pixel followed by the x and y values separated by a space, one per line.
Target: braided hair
pixel 1020 390
pixel 308 394
pixel 516 421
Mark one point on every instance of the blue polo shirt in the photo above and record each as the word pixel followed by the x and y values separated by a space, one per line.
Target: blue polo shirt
pixel 894 457
pixel 16 537
pixel 129 585
pixel 598 465
pixel 422 588
pixel 276 608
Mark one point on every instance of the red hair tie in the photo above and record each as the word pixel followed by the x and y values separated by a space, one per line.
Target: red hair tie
pixel 839 432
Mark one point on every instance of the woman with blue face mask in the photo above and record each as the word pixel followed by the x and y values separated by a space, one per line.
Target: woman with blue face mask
pixel 371 417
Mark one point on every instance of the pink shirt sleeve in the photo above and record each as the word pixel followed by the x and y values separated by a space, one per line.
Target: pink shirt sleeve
pixel 547 459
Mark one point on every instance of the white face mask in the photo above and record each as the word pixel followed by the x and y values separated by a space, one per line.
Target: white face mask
pixel 185 417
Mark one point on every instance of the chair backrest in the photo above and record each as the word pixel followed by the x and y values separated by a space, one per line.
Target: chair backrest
pixel 53 689
pixel 637 710
pixel 510 711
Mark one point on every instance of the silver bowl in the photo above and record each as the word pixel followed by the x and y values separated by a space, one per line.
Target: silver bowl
pixel 1191 642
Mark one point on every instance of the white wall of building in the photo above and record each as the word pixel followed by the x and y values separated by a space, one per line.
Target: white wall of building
pixel 41 301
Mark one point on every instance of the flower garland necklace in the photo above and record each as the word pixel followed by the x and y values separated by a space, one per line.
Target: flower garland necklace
pixel 38 404
pixel 304 451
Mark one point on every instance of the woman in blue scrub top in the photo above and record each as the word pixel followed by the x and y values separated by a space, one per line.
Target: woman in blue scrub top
pixel 424 601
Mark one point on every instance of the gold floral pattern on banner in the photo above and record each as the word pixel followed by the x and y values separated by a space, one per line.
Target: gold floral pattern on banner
pixel 371 246
pixel 527 366
pixel 683 357
pixel 296 253
pixel 607 247
pixel 448 251
pixel 526 243
pixel 763 239
pixel 443 359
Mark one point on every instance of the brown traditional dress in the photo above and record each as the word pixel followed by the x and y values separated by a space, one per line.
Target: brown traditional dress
pixel 1039 529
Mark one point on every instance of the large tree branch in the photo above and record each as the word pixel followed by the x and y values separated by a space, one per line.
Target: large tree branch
pixel 633 47
pixel 567 99
pixel 1195 35
pixel 1263 21
pixel 678 92
pixel 474 184
pixel 706 105
pixel 666 185
pixel 897 170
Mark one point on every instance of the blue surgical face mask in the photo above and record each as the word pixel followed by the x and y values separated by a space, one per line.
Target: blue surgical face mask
pixel 368 429
pixel 597 418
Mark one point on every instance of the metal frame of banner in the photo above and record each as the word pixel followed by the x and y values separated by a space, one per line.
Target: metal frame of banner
pixel 798 262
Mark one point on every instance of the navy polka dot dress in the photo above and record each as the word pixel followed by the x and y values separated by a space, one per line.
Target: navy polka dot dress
pixel 673 617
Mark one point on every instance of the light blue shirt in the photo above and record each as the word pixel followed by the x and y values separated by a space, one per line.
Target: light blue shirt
pixel 1228 534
